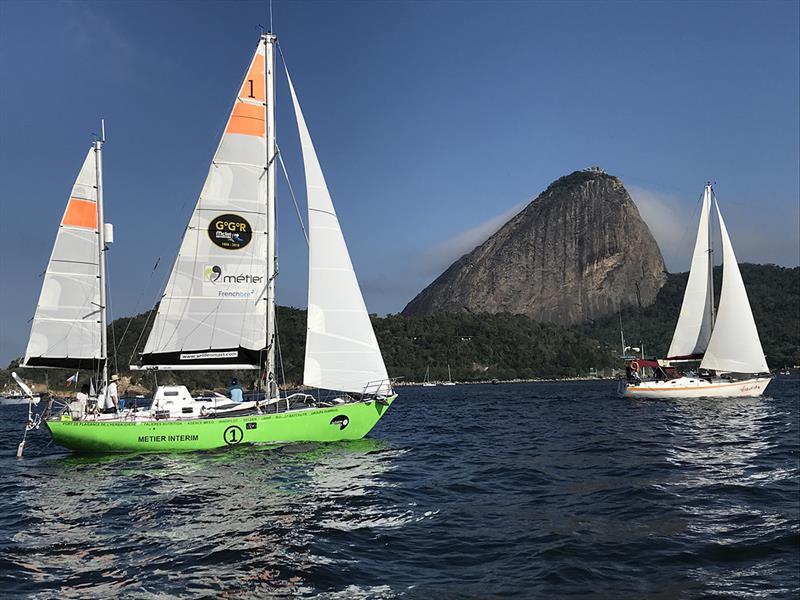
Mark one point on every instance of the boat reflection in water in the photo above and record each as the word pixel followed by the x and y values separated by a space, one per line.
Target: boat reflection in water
pixel 242 521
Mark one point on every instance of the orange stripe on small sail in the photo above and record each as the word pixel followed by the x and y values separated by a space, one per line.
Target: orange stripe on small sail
pixel 247 119
pixel 81 213
pixel 253 86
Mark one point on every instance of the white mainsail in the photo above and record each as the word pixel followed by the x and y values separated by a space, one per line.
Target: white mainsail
pixel 734 345
pixel 342 352
pixel 66 329
pixel 695 321
pixel 213 314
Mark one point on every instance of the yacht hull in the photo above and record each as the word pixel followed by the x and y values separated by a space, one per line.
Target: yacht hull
pixel 350 421
pixel 685 387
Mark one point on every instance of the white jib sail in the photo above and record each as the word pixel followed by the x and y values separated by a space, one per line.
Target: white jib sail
pixel 735 346
pixel 66 328
pixel 342 352
pixel 694 323
pixel 214 308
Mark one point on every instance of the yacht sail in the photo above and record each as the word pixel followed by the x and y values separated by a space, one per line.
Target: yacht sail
pixel 213 314
pixel 68 324
pixel 696 317
pixel 734 345
pixel 342 352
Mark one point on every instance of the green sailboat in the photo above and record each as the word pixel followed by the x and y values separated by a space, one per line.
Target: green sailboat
pixel 217 311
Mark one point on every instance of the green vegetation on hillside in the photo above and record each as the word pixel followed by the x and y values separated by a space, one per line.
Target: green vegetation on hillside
pixel 483 346
pixel 774 294
pixel 477 347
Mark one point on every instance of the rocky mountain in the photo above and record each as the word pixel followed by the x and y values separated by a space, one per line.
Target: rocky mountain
pixel 576 253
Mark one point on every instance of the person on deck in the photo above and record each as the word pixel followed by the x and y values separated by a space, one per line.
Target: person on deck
pixel 111 396
pixel 82 400
pixel 236 391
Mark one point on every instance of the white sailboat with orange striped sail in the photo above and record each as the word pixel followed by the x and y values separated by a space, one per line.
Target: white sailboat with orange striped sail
pixel 69 326
pixel 732 362
pixel 217 311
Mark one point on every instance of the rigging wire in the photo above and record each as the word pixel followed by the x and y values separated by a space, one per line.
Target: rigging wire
pixel 294 199
pixel 141 333
pixel 688 231
pixel 280 355
pixel 139 301
pixel 110 312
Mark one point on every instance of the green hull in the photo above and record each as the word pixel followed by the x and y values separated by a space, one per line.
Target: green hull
pixel 342 422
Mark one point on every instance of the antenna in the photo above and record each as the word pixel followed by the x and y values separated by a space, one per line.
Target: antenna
pixel 271 30
pixel 102 130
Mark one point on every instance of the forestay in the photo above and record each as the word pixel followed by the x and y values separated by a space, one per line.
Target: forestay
pixel 214 309
pixel 695 321
pixel 342 352
pixel 66 327
pixel 734 345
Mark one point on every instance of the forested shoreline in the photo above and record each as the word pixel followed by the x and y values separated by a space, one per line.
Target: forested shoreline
pixel 479 347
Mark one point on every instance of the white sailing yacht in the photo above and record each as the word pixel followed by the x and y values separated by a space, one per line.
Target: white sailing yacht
pixel 732 362
pixel 426 382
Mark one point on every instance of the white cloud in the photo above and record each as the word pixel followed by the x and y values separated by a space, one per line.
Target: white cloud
pixel 669 223
pixel 445 253
pixel 758 236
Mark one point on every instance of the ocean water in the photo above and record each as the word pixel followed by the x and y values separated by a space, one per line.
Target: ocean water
pixel 547 490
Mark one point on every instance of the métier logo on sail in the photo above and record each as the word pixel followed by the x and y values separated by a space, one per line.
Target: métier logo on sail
pixel 229 231
pixel 224 281
pixel 223 276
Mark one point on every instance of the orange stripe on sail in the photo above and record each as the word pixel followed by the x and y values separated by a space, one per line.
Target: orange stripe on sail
pixel 81 213
pixel 253 86
pixel 247 119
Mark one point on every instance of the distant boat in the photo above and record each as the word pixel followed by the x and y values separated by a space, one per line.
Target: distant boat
pixel 732 362
pixel 14 398
pixel 218 309
pixel 449 378
pixel 426 382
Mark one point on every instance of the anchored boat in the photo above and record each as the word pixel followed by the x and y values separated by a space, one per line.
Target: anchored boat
pixel 217 311
pixel 726 344
pixel 14 398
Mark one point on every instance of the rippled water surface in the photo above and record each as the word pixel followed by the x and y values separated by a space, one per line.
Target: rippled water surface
pixel 526 490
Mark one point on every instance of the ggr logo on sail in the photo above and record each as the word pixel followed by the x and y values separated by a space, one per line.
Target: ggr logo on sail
pixel 230 231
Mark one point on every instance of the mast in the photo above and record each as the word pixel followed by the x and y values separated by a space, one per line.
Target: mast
pixel 269 81
pixel 101 245
pixel 710 192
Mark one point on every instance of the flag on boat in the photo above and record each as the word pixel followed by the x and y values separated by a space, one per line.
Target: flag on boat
pixel 73 379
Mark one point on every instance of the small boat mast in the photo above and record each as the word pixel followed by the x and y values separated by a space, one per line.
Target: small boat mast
pixel 101 245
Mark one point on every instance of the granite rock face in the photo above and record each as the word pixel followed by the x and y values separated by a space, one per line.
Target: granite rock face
pixel 576 253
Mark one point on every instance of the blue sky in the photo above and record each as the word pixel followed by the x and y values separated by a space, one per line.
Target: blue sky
pixel 434 122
